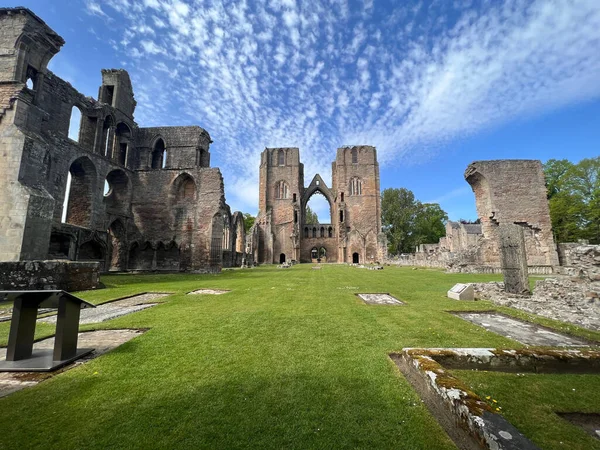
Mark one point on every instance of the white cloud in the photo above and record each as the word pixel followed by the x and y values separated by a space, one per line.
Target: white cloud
pixel 317 74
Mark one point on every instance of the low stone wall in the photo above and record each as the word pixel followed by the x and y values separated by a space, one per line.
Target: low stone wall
pixel 43 275
pixel 455 264
pixel 581 260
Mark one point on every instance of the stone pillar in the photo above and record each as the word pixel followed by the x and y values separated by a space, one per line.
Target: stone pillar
pixel 514 259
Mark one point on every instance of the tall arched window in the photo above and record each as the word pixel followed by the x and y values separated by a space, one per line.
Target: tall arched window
pixel 107 136
pixel 281 190
pixel 355 186
pixel 354 156
pixel 280 158
pixel 123 136
pixel 159 154
pixel 322 231
pixel 75 123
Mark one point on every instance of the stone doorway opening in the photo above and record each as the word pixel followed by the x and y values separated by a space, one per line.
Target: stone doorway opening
pixel 355 258
pixel 282 258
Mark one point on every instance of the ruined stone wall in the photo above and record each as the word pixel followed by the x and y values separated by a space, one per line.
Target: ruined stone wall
pixel 40 275
pixel 186 147
pixel 513 192
pixel 153 216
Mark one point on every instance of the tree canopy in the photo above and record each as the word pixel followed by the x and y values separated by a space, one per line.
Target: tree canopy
pixel 408 222
pixel 574 199
pixel 249 220
pixel 310 216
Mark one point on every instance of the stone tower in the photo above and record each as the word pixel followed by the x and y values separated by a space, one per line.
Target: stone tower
pixel 358 201
pixel 353 233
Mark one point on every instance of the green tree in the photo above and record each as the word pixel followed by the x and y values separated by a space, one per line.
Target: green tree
pixel 249 220
pixel 408 222
pixel 574 199
pixel 310 216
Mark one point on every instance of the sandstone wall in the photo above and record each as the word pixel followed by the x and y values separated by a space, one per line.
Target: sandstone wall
pixel 138 198
pixel 40 275
pixel 513 192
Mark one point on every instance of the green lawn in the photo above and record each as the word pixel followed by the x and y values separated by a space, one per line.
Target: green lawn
pixel 288 359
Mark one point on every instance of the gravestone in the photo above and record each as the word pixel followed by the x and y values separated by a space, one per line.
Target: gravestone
pixel 462 291
pixel 514 259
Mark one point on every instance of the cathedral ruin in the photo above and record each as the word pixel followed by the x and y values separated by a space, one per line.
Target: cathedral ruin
pixel 353 234
pixel 124 196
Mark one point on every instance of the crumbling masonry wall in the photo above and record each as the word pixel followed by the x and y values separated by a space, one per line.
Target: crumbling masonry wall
pixel 512 192
pixel 164 208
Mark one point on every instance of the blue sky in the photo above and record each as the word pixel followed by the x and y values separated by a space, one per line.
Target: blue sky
pixel 433 85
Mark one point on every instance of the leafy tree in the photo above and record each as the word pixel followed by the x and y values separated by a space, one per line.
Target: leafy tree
pixel 408 222
pixel 310 216
pixel 574 199
pixel 249 220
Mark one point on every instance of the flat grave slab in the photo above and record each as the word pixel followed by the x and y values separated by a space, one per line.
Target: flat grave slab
pixel 114 309
pixel 523 332
pixel 101 340
pixel 209 292
pixel 379 299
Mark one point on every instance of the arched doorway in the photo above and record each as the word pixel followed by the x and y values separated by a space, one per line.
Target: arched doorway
pixel 355 258
pixel 282 258
pixel 314 254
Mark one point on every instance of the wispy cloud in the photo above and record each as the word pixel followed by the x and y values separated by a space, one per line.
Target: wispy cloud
pixel 454 193
pixel 317 74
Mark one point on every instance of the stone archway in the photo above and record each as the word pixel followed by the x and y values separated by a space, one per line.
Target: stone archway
pixel 355 258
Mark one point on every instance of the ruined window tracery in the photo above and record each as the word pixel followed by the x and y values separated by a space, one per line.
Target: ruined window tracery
pixel 355 186
pixel 281 158
pixel 281 190
pixel 354 156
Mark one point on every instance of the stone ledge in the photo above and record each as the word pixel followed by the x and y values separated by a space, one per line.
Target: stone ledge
pixel 469 421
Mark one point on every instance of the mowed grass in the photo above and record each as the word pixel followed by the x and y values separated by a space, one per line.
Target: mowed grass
pixel 288 359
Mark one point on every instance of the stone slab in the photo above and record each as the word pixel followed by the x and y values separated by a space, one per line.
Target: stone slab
pixel 101 340
pixel 523 332
pixel 114 309
pixel 379 299
pixel 208 292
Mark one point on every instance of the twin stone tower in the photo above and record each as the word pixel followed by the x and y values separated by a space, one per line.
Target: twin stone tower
pixel 353 234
